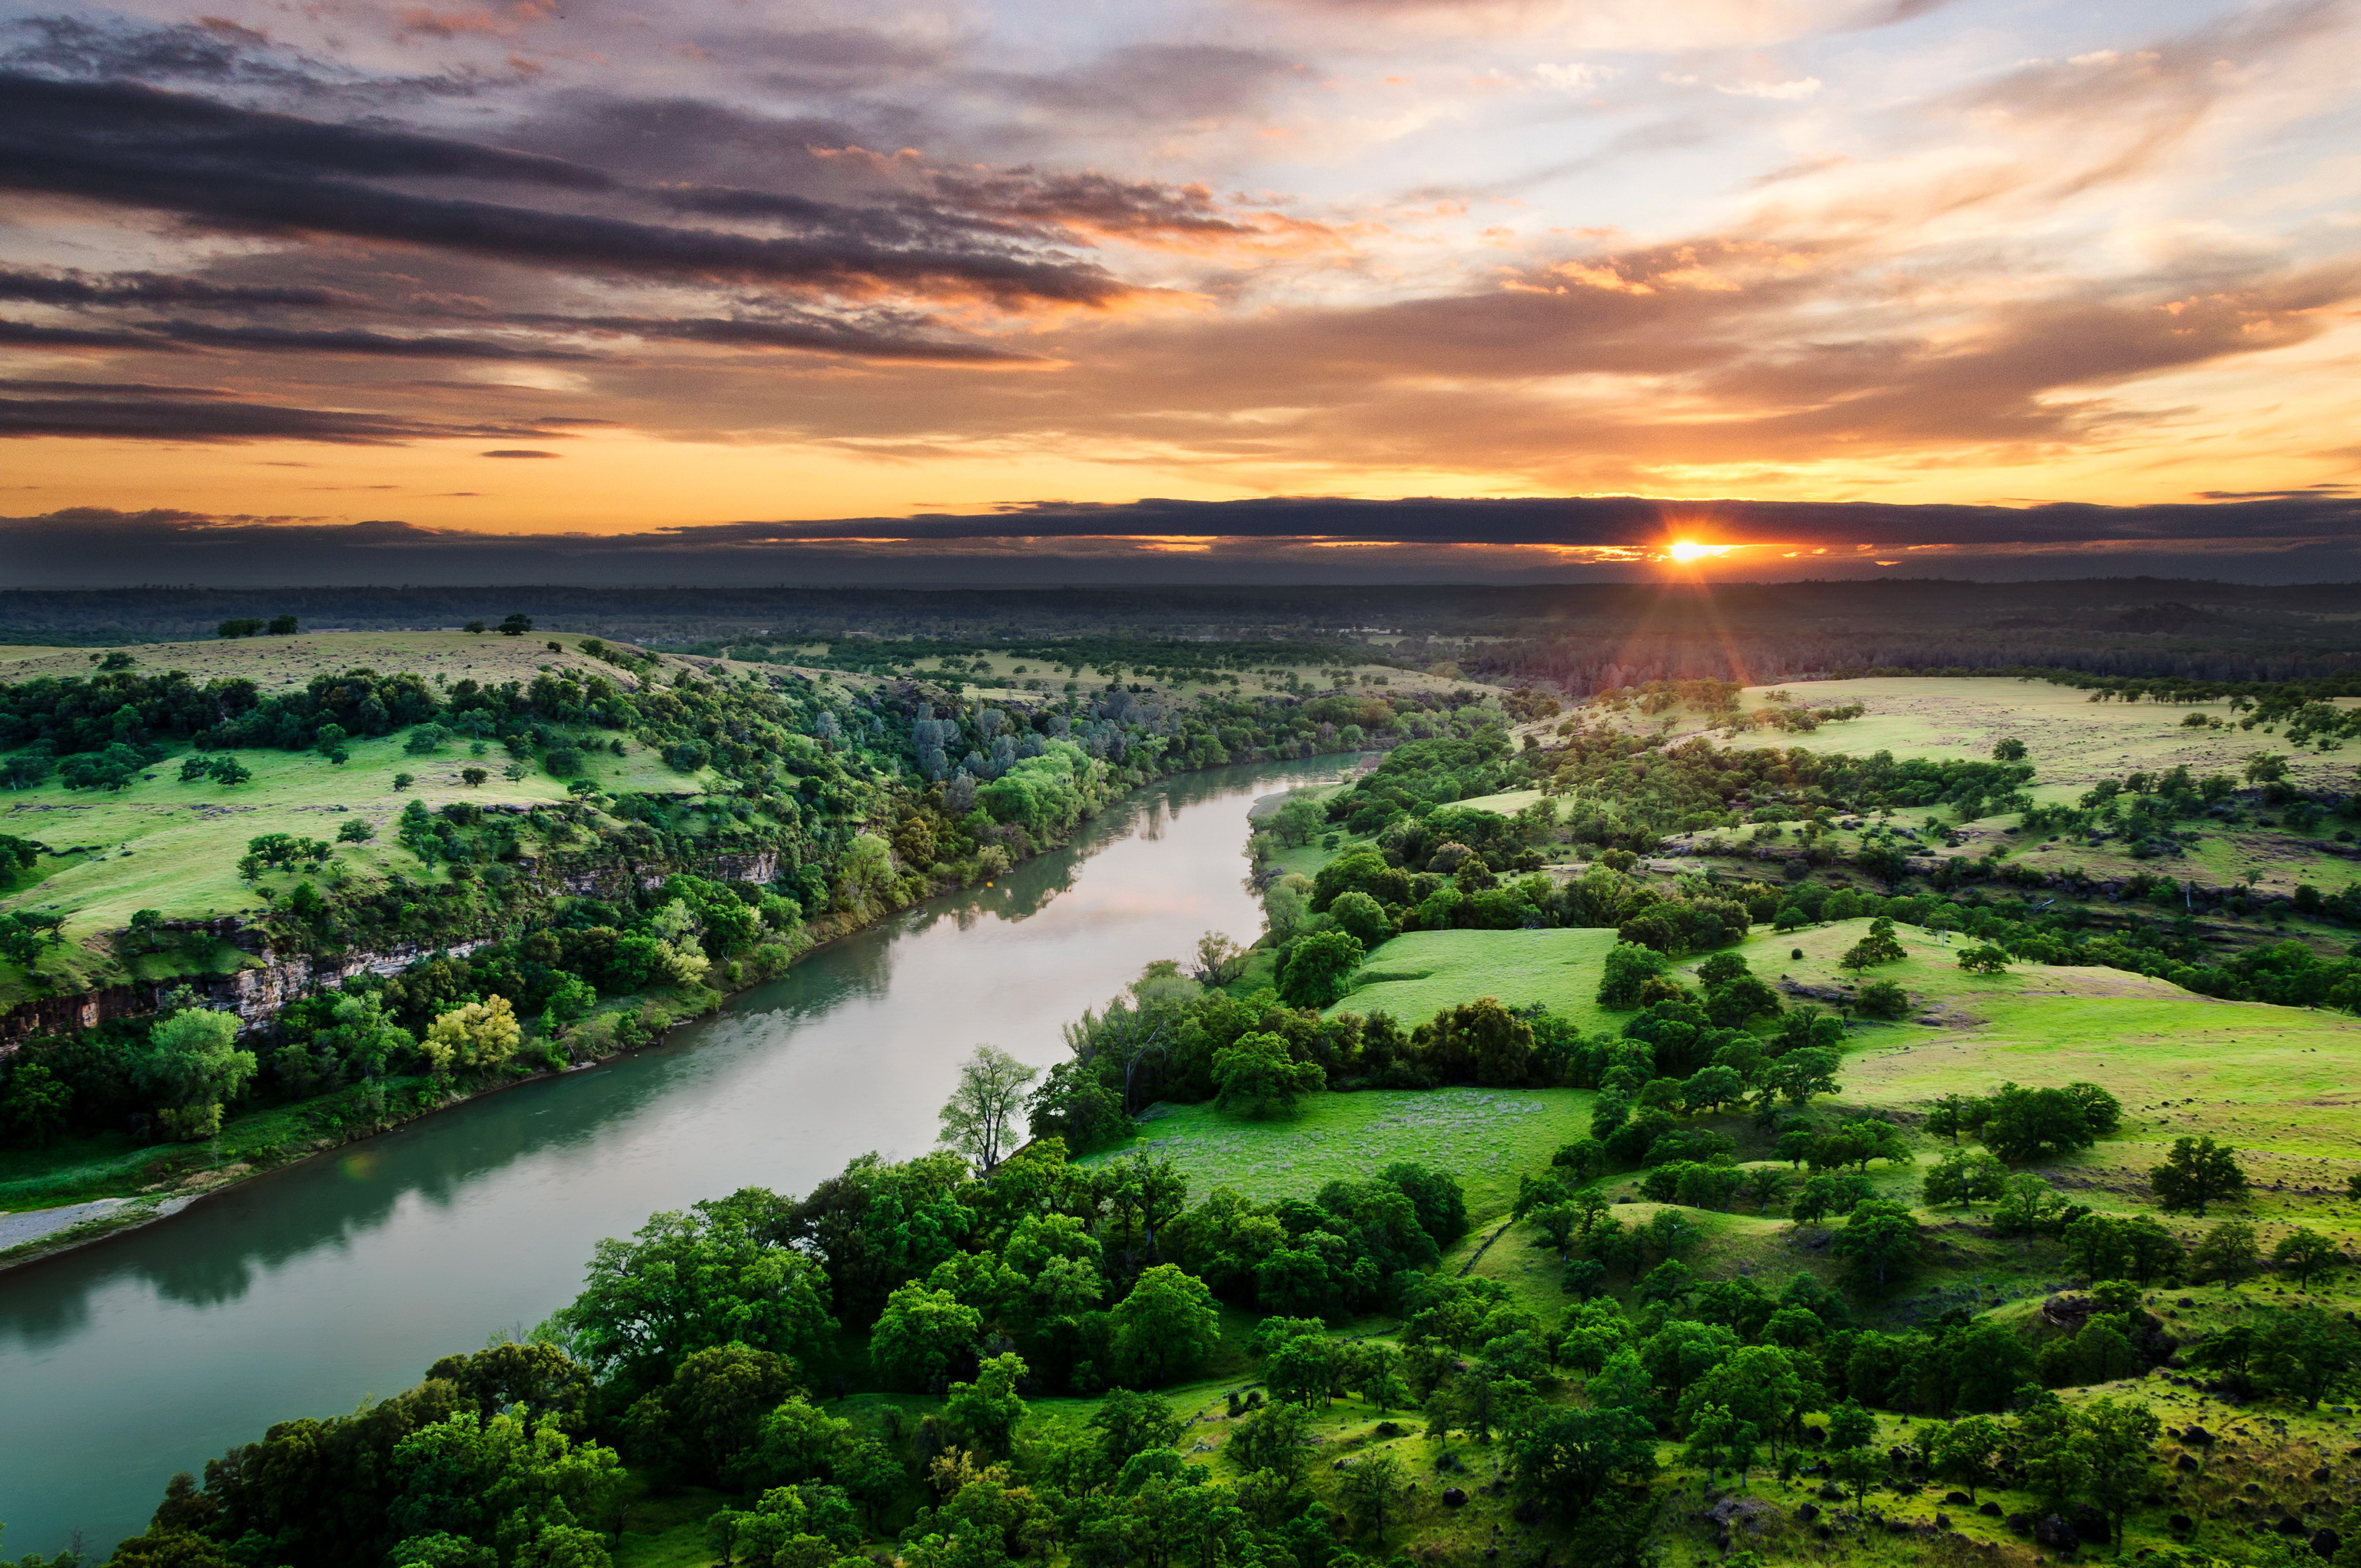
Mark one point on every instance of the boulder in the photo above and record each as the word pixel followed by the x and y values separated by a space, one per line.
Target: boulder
pixel 2056 1534
pixel 1453 1498
pixel 1990 1510
pixel 2325 1543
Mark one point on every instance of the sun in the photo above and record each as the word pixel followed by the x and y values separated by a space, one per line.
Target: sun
pixel 1688 550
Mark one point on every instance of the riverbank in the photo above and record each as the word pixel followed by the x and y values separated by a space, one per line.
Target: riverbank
pixel 140 1185
pixel 299 1290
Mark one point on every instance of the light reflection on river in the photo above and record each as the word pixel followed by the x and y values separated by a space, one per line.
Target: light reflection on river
pixel 304 1291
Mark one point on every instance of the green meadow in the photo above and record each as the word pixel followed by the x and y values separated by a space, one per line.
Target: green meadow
pixel 172 847
pixel 2280 1084
pixel 1420 973
pixel 1489 1136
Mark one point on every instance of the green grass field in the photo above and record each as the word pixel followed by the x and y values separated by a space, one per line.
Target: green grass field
pixel 1507 804
pixel 283 664
pixel 1489 1136
pixel 173 847
pixel 1419 973
pixel 2072 742
pixel 2281 1083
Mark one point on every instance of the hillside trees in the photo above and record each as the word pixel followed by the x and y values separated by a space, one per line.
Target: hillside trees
pixel 2197 1172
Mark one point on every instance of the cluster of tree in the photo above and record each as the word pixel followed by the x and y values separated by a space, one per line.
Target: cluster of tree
pixel 2307 707
pixel 1168 660
pixel 2143 808
pixel 2289 974
pixel 1363 895
pixel 1149 732
pixel 2023 1125
pixel 1429 773
pixel 701 1350
pixel 1620 791
pixel 1168 1038
pixel 1720 699
pixel 257 626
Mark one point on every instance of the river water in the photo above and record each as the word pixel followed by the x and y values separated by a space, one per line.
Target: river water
pixel 313 1288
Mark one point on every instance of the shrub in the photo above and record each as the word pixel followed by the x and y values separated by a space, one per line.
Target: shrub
pixel 1882 999
pixel 476 1035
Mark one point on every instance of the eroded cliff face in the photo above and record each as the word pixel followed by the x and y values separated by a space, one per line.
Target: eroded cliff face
pixel 256 991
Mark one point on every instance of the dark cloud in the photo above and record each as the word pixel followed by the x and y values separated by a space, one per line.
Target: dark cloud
pixel 78 288
pixel 34 335
pixel 516 452
pixel 1608 522
pixel 2301 539
pixel 142 414
pixel 282 174
pixel 828 60
pixel 1090 201
pixel 876 333
pixel 693 141
pixel 1892 12
pixel 293 340
pixel 114 388
pixel 214 51
pixel 873 335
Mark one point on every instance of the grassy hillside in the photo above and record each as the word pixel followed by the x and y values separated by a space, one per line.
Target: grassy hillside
pixel 2073 743
pixel 1419 973
pixel 283 664
pixel 2280 1083
pixel 1488 1136
pixel 2275 1083
pixel 173 847
pixel 2073 740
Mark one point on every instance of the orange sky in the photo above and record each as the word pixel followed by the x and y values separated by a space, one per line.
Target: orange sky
pixel 529 272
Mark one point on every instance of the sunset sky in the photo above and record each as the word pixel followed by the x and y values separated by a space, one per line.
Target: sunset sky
pixel 878 290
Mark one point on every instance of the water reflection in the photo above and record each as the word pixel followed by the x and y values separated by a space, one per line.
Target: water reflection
pixel 345 1276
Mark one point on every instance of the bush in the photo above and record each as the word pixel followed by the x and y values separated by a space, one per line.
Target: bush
pixel 1629 968
pixel 1882 999
pixel 1258 1077
pixel 1317 969
pixel 1361 918
pixel 475 1036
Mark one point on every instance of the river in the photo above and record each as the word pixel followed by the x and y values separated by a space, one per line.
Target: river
pixel 311 1289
